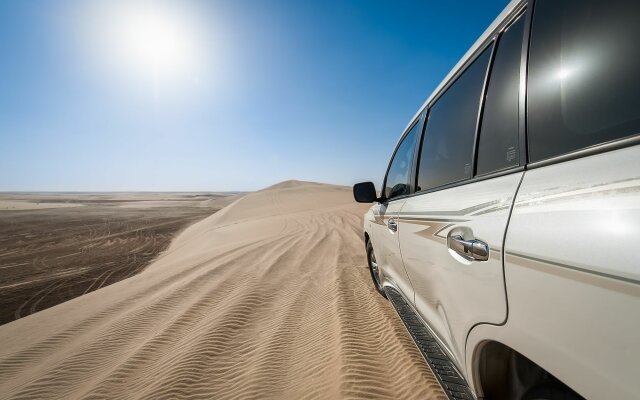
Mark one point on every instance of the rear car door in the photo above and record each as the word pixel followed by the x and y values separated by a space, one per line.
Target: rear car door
pixel 571 263
pixel 468 175
pixel 397 185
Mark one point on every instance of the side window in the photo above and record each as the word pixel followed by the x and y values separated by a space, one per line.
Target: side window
pixel 498 141
pixel 447 149
pixel 583 84
pixel 397 181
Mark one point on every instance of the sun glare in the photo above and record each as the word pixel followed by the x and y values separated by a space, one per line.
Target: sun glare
pixel 153 44
pixel 156 42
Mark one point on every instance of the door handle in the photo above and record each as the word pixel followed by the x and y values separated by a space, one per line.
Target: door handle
pixel 392 225
pixel 470 249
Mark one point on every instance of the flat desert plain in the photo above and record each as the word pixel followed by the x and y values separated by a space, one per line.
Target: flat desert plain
pixel 268 298
pixel 57 246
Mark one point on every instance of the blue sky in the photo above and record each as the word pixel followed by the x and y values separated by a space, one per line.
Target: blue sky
pixel 249 94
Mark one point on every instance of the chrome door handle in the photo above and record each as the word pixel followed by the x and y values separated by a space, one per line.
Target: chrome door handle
pixel 392 225
pixel 469 249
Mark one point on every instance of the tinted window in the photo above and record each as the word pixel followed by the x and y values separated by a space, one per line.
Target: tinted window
pixel 447 149
pixel 584 87
pixel 498 141
pixel 397 182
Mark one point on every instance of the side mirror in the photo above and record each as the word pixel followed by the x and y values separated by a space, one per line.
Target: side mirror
pixel 365 192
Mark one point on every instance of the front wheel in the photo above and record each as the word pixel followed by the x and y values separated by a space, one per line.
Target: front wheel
pixel 374 270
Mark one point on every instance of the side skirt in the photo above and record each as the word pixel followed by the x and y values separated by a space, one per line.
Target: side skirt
pixel 454 385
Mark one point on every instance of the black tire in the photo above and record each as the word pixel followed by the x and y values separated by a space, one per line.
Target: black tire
pixel 373 269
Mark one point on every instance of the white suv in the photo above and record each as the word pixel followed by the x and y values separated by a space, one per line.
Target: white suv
pixel 507 233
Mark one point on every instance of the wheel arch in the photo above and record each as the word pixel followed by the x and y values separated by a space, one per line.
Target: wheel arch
pixel 500 371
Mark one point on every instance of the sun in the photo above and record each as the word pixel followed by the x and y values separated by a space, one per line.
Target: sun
pixel 158 42
pixel 153 43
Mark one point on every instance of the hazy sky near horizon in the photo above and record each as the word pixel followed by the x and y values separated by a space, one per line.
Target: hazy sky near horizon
pixel 195 95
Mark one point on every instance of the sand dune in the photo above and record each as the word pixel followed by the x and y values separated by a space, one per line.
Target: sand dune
pixel 268 298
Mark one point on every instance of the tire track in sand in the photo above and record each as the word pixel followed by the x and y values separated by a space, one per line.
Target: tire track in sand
pixel 251 309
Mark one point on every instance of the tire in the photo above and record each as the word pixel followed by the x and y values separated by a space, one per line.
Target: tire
pixel 373 269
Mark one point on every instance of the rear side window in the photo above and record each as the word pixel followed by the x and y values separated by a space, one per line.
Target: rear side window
pixel 498 141
pixel 584 82
pixel 447 149
pixel 397 181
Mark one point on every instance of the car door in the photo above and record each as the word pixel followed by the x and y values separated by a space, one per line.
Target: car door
pixel 452 230
pixel 397 185
pixel 571 264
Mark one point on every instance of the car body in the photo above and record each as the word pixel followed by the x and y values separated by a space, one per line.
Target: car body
pixel 509 215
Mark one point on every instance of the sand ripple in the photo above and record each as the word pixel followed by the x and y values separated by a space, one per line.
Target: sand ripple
pixel 269 298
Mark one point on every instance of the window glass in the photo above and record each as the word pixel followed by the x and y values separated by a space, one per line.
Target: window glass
pixel 397 182
pixel 447 149
pixel 584 86
pixel 498 141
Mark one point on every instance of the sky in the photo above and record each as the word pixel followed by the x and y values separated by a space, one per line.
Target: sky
pixel 194 95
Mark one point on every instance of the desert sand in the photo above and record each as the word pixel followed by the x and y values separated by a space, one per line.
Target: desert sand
pixel 49 255
pixel 268 298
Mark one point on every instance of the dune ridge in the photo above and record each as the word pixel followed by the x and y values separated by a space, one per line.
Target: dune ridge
pixel 268 298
